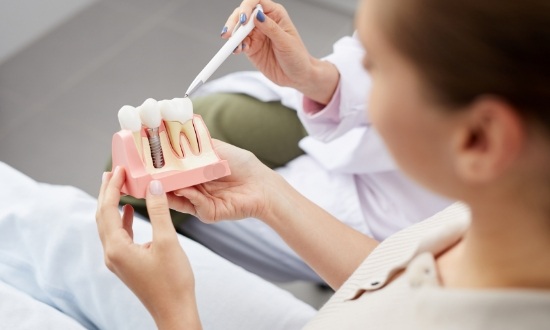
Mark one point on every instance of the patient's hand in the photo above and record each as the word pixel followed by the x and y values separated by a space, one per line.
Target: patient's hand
pixel 248 192
pixel 158 272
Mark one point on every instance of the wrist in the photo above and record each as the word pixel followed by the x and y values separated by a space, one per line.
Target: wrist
pixel 177 315
pixel 321 81
pixel 283 199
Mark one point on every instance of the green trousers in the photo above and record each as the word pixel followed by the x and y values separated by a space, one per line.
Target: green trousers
pixel 268 129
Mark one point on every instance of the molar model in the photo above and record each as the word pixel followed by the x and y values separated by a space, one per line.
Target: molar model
pixel 164 141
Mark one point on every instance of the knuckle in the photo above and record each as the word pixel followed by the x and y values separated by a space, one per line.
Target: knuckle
pixel 109 264
pixel 112 257
pixel 158 208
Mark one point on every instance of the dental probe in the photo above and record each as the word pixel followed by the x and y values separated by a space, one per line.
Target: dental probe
pixel 239 33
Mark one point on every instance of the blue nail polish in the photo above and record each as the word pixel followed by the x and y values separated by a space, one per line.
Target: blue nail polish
pixel 260 16
pixel 242 18
pixel 244 45
pixel 224 30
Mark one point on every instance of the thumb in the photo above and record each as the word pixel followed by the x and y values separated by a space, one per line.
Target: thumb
pixel 159 213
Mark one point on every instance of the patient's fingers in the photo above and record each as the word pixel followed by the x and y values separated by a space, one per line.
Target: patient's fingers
pixel 104 181
pixel 112 191
pixel 159 213
pixel 108 214
pixel 128 219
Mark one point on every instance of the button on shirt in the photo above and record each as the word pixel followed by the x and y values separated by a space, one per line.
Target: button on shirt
pixel 375 298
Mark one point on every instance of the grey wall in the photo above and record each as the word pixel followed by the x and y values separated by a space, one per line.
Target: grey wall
pixel 24 21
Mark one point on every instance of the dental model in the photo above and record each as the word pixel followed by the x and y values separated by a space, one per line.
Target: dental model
pixel 164 141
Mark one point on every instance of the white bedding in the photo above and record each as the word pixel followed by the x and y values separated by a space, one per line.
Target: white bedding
pixel 20 311
pixel 52 271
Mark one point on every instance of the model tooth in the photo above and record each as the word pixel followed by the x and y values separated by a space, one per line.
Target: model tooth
pixel 149 113
pixel 185 108
pixel 178 114
pixel 176 110
pixel 128 117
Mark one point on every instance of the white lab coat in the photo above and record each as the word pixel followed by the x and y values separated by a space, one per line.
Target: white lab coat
pixel 349 171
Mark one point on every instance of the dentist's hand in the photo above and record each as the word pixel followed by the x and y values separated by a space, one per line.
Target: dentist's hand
pixel 248 192
pixel 276 49
pixel 158 272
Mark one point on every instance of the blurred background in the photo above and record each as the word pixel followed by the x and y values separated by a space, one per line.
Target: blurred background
pixel 67 66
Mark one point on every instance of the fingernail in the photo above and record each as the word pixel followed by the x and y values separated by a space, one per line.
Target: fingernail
pixel 260 16
pixel 244 45
pixel 224 30
pixel 242 18
pixel 117 169
pixel 155 187
pixel 104 177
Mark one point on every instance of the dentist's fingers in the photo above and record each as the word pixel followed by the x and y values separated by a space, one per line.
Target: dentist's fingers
pixel 247 7
pixel 230 23
pixel 239 49
pixel 159 214
pixel 243 14
pixel 245 44
pixel 271 29
pixel 179 203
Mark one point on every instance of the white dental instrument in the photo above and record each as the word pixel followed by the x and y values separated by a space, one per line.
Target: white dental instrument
pixel 239 33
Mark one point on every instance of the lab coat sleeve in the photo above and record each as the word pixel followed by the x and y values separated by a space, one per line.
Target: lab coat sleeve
pixel 346 110
pixel 342 128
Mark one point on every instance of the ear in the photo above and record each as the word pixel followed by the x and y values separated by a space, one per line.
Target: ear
pixel 488 140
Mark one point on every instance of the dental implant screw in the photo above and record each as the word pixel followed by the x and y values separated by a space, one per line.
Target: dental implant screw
pixel 156 148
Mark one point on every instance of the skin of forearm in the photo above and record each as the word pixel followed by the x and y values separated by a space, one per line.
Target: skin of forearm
pixel 331 248
pixel 176 316
pixel 321 81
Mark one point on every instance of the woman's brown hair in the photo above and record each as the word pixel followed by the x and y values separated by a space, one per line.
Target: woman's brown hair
pixel 468 48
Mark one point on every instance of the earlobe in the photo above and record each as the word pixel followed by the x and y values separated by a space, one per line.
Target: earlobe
pixel 489 140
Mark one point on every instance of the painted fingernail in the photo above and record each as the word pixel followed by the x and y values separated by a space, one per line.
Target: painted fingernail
pixel 155 187
pixel 242 18
pixel 260 16
pixel 244 45
pixel 224 30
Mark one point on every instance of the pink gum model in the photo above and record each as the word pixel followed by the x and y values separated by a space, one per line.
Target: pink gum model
pixel 177 172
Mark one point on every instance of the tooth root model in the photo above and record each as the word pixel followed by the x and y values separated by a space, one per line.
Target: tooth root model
pixel 128 117
pixel 149 113
pixel 178 150
pixel 178 114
